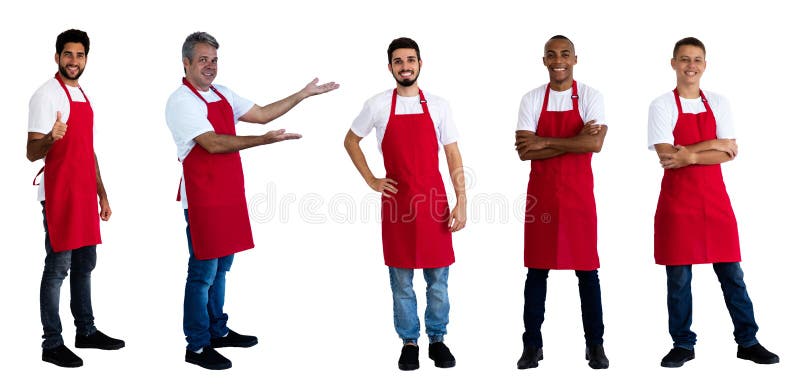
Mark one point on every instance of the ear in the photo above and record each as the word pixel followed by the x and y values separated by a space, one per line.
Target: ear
pixel 420 64
pixel 186 64
pixel 56 58
pixel 389 66
pixel 544 62
pixel 576 59
pixel 672 63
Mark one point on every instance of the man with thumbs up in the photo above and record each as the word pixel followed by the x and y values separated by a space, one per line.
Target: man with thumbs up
pixel 60 130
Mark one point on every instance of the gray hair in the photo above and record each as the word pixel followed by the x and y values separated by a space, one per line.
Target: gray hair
pixel 193 39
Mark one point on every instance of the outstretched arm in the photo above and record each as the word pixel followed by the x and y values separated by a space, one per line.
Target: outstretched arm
pixel 270 112
pixel 216 143
pixel 386 186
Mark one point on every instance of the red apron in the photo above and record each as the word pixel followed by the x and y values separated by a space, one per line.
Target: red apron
pixel 694 220
pixel 560 215
pixel 218 218
pixel 70 181
pixel 414 220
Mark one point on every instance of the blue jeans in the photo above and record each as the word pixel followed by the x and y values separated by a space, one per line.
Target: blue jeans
pixel 204 297
pixel 591 306
pixel 679 304
pixel 80 262
pixel 437 311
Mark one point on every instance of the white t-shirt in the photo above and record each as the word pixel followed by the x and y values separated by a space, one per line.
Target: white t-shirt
pixel 187 118
pixel 664 115
pixel 590 105
pixel 42 108
pixel 375 115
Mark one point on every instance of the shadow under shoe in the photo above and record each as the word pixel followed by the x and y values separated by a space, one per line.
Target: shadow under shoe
pixel 530 357
pixel 758 354
pixel 208 359
pixel 596 356
pixel 61 356
pixel 677 357
pixel 409 357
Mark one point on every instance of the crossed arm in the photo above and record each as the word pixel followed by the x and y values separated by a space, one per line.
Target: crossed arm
pixel 589 140
pixel 216 143
pixel 709 152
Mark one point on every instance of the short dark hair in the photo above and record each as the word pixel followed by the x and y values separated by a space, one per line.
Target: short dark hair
pixel 402 43
pixel 193 39
pixel 564 38
pixel 72 36
pixel 688 41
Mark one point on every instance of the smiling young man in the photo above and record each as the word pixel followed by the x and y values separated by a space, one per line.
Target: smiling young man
pixel 692 132
pixel 416 221
pixel 202 117
pixel 61 130
pixel 560 125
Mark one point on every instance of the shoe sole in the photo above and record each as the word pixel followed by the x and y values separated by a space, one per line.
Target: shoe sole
pixel 532 365
pixel 407 367
pixel 100 347
pixel 764 362
pixel 675 364
pixel 222 366
pixel 57 363
pixel 444 365
pixel 596 366
pixel 241 345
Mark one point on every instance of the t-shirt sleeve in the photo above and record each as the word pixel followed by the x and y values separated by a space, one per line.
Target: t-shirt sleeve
pixel 186 118
pixel 724 117
pixel 659 126
pixel 364 123
pixel 525 119
pixel 595 108
pixel 41 113
pixel 448 133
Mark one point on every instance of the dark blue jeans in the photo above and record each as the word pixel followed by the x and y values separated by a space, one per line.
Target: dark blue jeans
pixel 591 306
pixel 204 297
pixel 80 262
pixel 679 304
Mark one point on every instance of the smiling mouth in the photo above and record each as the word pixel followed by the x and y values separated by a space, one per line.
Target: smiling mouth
pixel 406 74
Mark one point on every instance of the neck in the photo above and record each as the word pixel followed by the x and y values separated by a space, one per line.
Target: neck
pixel 561 86
pixel 73 83
pixel 689 91
pixel 198 87
pixel 408 91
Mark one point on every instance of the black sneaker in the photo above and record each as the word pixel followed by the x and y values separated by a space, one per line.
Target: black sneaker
pixel 677 357
pixel 98 340
pixel 409 357
pixel 441 355
pixel 758 354
pixel 61 356
pixel 208 359
pixel 234 339
pixel 530 357
pixel 596 356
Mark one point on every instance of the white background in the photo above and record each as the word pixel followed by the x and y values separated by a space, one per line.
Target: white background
pixel 315 289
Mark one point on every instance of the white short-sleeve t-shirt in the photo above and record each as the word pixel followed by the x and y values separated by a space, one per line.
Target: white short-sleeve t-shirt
pixel 590 105
pixel 663 116
pixel 375 115
pixel 43 106
pixel 187 118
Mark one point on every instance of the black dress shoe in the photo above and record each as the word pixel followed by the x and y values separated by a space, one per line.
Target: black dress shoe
pixel 677 357
pixel 208 359
pixel 234 339
pixel 530 357
pixel 409 357
pixel 596 356
pixel 98 340
pixel 758 354
pixel 441 355
pixel 61 356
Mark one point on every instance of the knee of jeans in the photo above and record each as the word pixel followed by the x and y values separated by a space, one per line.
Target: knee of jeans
pixel 679 275
pixel 587 277
pixel 202 271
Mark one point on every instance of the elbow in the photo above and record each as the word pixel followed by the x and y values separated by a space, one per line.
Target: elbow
pixel 597 146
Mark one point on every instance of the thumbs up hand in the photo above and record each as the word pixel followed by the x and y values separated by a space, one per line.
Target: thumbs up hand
pixel 59 128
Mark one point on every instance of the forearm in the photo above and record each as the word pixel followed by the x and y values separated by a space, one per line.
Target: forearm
pixel 101 189
pixel 540 154
pixel 455 165
pixel 705 145
pixel 217 143
pixel 576 144
pixel 358 158
pixel 275 110
pixel 711 157
pixel 38 146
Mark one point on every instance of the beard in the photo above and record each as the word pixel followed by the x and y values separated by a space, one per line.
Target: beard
pixel 63 71
pixel 406 82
